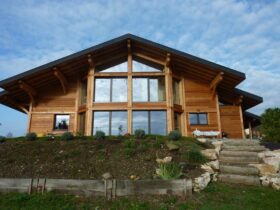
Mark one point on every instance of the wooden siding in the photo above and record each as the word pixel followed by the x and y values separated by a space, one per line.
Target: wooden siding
pixel 198 98
pixel 231 121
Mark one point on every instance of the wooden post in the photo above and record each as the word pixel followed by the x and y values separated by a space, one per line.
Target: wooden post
pixel 90 93
pixel 241 118
pixel 218 116
pixel 29 118
pixel 77 102
pixel 169 94
pixel 129 89
pixel 184 126
pixel 250 130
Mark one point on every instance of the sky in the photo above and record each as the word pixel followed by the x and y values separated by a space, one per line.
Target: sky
pixel 243 35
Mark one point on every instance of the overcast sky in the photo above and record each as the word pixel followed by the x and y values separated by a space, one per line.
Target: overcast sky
pixel 243 35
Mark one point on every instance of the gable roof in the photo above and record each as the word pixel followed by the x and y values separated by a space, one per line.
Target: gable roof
pixel 196 67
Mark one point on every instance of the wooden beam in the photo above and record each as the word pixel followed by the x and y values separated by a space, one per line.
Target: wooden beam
pixel 140 55
pixel 129 46
pixel 29 90
pixel 61 78
pixel 238 100
pixel 167 61
pixel 90 61
pixel 215 82
pixel 15 104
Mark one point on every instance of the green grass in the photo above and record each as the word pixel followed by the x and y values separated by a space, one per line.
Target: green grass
pixel 216 197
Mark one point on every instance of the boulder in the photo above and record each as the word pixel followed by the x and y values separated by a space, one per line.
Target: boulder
pixel 215 177
pixel 214 164
pixel 271 180
pixel 167 159
pixel 106 176
pixel 207 168
pixel 271 158
pixel 202 140
pixel 218 146
pixel 172 147
pixel 265 169
pixel 201 182
pixel 210 154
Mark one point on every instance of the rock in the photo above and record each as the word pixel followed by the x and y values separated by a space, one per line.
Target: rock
pixel 218 146
pixel 202 140
pixel 207 168
pixel 271 158
pixel 271 180
pixel 210 154
pixel 172 147
pixel 215 177
pixel 201 182
pixel 265 169
pixel 214 164
pixel 106 176
pixel 167 159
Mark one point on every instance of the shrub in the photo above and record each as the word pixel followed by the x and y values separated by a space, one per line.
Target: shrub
pixel 99 135
pixel 67 136
pixel 270 124
pixel 130 143
pixel 31 136
pixel 168 171
pixel 2 139
pixel 158 143
pixel 129 152
pixel 174 135
pixel 139 133
pixel 194 156
pixel 143 146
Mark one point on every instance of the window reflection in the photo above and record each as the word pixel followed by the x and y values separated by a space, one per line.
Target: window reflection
pixel 140 120
pixel 110 122
pixel 61 122
pixel 122 67
pixel 102 90
pixel 198 118
pixel 119 90
pixel 140 67
pixel 148 89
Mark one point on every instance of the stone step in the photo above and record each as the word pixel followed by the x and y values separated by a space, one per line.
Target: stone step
pixel 256 148
pixel 241 142
pixel 243 160
pixel 238 153
pixel 240 170
pixel 239 179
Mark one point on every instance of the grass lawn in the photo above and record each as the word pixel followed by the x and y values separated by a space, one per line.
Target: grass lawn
pixel 216 197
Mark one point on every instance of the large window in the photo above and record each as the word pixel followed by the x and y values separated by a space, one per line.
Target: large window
pixel 198 118
pixel 61 122
pixel 110 90
pixel 141 67
pixel 153 122
pixel 110 122
pixel 148 89
pixel 122 67
pixel 176 91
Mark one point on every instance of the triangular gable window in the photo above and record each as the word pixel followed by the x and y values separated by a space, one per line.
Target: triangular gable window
pixel 122 67
pixel 141 67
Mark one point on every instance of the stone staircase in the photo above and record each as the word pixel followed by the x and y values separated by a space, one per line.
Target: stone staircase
pixel 234 159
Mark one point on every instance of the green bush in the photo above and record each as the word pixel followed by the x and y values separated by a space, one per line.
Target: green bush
pixel 31 136
pixel 130 143
pixel 158 143
pixel 2 139
pixel 67 136
pixel 270 125
pixel 174 135
pixel 129 152
pixel 168 171
pixel 144 146
pixel 99 135
pixel 193 155
pixel 139 133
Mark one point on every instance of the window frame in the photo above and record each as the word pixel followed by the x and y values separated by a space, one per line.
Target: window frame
pixel 148 89
pixel 110 90
pixel 197 118
pixel 54 122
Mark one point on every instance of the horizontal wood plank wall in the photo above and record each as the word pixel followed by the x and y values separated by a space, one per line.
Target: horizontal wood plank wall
pixel 231 121
pixel 53 101
pixel 198 98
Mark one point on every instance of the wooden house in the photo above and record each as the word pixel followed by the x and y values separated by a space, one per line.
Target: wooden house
pixel 129 83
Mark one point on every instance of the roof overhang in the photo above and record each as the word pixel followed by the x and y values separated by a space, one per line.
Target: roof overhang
pixel 249 117
pixel 115 51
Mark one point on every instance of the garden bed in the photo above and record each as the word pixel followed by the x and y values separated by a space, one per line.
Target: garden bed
pixel 90 159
